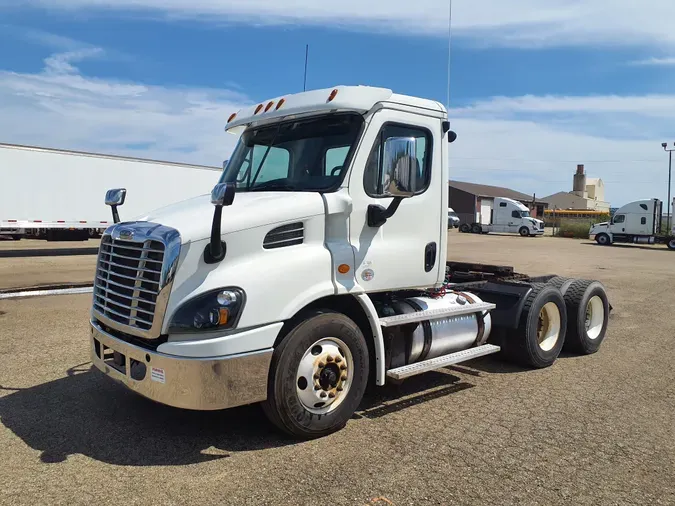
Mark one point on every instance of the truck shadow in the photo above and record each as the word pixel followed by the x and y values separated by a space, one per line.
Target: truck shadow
pixel 658 247
pixel 88 414
pixel 85 413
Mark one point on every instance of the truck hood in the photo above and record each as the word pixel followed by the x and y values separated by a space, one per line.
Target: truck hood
pixel 598 226
pixel 193 217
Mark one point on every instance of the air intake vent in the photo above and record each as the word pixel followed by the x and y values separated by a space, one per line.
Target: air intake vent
pixel 287 235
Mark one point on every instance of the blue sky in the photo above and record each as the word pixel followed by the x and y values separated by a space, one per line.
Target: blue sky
pixel 536 86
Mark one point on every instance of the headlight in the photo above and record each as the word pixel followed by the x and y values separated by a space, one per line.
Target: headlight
pixel 215 310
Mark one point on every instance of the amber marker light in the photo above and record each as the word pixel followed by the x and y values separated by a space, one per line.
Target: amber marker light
pixel 343 269
pixel 332 95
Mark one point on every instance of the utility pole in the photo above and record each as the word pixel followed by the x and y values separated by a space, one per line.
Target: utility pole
pixel 670 168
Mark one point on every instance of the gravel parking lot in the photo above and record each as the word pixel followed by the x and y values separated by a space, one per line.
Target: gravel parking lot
pixel 589 430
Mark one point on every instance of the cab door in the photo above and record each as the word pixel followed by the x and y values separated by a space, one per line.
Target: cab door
pixel 403 252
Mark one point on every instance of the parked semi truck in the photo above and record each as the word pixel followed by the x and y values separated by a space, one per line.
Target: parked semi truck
pixel 66 188
pixel 318 266
pixel 639 222
pixel 505 216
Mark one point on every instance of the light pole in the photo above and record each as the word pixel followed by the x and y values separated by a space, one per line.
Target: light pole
pixel 670 167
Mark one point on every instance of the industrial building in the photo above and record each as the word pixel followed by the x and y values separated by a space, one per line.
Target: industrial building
pixel 467 199
pixel 587 194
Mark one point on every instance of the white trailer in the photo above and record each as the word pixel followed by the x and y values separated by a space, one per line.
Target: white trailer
pixel 506 216
pixel 318 265
pixel 638 222
pixel 58 194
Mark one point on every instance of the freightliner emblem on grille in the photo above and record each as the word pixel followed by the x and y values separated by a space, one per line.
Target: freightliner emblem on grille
pixel 126 234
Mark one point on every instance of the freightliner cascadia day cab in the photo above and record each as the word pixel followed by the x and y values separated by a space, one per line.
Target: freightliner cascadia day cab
pixel 506 216
pixel 638 222
pixel 317 266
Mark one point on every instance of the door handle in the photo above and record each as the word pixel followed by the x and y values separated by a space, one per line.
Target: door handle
pixel 429 256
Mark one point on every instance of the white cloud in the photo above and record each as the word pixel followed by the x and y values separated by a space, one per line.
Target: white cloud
pixel 656 62
pixel 515 22
pixel 60 107
pixel 530 143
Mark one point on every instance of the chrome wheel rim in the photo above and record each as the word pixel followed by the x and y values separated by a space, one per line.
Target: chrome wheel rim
pixel 324 375
pixel 595 317
pixel 548 326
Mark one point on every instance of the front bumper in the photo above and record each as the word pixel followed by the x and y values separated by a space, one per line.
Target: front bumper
pixel 538 231
pixel 182 382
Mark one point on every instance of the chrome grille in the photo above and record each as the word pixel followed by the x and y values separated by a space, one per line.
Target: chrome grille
pixel 128 281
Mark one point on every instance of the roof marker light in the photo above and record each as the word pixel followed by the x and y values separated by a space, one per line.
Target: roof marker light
pixel 257 109
pixel 280 103
pixel 269 105
pixel 332 95
pixel 232 116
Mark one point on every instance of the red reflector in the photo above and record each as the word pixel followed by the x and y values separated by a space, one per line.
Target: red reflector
pixel 12 221
pixel 104 222
pixel 37 221
pixel 83 222
pixel 60 221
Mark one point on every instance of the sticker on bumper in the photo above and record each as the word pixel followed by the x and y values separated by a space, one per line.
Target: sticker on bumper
pixel 158 375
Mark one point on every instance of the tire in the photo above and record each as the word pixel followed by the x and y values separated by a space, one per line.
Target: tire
pixel 561 283
pixel 16 237
pixel 465 228
pixel 524 345
pixel 476 228
pixel 329 334
pixel 603 239
pixel 524 231
pixel 588 316
pixel 671 243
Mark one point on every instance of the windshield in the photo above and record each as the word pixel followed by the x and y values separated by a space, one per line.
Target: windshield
pixel 303 155
pixel 525 214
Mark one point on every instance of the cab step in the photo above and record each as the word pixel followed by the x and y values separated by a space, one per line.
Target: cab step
pixel 407 371
pixel 430 314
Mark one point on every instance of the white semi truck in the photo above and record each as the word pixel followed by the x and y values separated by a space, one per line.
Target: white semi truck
pixel 66 188
pixel 506 216
pixel 638 222
pixel 317 266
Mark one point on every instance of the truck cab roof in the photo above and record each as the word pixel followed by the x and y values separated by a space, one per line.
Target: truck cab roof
pixel 360 99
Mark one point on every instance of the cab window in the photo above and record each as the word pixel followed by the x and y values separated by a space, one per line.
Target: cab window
pixel 619 218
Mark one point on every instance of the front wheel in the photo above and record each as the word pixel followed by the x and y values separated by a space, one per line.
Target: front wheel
pixel 524 231
pixel 318 376
pixel 602 239
pixel 671 244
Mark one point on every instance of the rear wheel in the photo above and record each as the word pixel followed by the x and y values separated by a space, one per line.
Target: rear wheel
pixel 476 228
pixel 561 283
pixel 465 228
pixel 524 231
pixel 588 313
pixel 318 376
pixel 541 333
pixel 602 239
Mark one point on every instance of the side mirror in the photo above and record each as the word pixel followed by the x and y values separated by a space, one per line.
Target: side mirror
pixel 222 195
pixel 114 198
pixel 452 136
pixel 398 179
pixel 399 167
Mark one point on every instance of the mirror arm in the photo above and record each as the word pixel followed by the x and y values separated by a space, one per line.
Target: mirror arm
pixel 116 215
pixel 378 215
pixel 215 249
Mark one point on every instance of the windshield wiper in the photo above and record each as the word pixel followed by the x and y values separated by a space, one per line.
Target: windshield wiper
pixel 275 185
